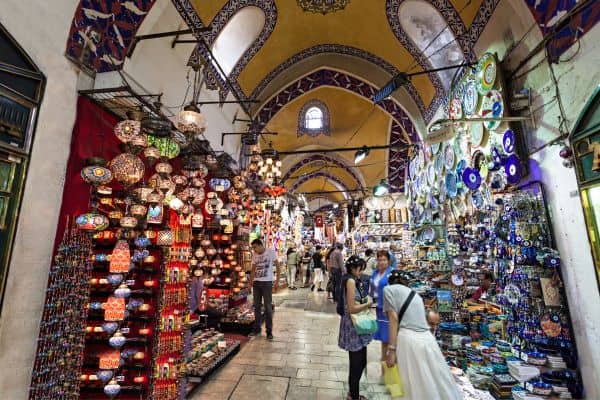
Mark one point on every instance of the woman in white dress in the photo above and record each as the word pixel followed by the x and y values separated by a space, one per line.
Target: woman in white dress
pixel 423 370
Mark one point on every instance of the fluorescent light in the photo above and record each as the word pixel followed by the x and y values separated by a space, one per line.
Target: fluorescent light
pixel 361 154
pixel 381 189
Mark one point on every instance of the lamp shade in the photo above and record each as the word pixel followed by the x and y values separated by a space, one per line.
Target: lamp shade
pixel 120 259
pixel 127 130
pixel 191 120
pixel 127 168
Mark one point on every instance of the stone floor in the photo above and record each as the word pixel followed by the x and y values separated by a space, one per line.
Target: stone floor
pixel 303 361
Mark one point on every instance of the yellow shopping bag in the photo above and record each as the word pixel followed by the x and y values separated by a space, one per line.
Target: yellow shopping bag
pixel 391 379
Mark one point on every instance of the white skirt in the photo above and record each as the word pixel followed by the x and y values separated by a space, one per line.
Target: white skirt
pixel 423 370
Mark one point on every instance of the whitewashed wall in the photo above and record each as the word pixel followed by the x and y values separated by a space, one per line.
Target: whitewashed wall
pixel 577 79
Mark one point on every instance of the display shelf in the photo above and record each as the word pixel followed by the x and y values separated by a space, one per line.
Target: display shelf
pixel 195 381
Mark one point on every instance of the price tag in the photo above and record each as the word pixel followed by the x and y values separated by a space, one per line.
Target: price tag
pixel 124 331
pixel 120 378
pixel 130 282
pixel 222 344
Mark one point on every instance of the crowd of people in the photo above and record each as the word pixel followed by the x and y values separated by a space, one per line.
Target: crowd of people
pixel 405 327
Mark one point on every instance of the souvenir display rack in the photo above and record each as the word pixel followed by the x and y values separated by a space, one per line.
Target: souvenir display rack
pixel 518 339
pixel 387 236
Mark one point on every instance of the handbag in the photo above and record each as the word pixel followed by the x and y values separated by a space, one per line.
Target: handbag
pixel 365 322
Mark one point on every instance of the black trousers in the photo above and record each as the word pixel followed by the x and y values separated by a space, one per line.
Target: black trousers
pixel 358 363
pixel 263 291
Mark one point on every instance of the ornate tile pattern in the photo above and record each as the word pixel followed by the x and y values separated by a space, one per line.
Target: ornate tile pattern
pixel 213 78
pixel 102 31
pixel 547 12
pixel 326 77
pixel 339 49
pixel 304 130
pixel 318 174
pixel 320 158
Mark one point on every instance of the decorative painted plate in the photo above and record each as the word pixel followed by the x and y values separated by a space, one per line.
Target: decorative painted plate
pixel 431 174
pixel 451 187
pixel 442 191
pixel 492 106
pixel 439 163
pixel 435 148
pixel 508 141
pixel 455 109
pixel 486 73
pixel 477 199
pixel 421 159
pixel 449 157
pixel 461 166
pixel 477 133
pixel 412 168
pixel 457 280
pixel 470 99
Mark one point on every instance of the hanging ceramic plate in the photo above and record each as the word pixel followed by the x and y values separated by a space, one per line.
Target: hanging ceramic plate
pixel 470 99
pixel 412 168
pixel 451 188
pixel 386 202
pixel 455 109
pixel 421 159
pixel 449 157
pixel 513 169
pixel 477 133
pixel 477 199
pixel 460 167
pixel 457 280
pixel 442 191
pixel 512 293
pixel 486 73
pixel 431 174
pixel 435 148
pixel 508 141
pixel 439 163
pixel 492 107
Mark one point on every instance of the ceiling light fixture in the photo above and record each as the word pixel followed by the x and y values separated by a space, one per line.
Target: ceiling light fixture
pixel 322 6
pixel 381 189
pixel 361 154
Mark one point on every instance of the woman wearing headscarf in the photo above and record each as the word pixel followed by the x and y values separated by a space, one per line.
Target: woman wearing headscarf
pixel 423 369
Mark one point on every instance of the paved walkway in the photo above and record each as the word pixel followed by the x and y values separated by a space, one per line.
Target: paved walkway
pixel 302 363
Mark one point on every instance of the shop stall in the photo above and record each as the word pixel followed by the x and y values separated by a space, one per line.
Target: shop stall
pixel 484 253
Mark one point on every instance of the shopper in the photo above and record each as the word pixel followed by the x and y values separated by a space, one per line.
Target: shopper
pixel 337 269
pixel 292 262
pixel 305 270
pixel 261 278
pixel 371 262
pixel 423 369
pixel 379 280
pixel 355 300
pixel 317 260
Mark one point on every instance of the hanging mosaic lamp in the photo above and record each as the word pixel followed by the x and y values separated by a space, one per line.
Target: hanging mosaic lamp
pixel 127 130
pixel 127 168
pixel 191 120
pixel 92 222
pixel 138 143
pixel 122 291
pixel 120 258
pixel 96 175
pixel 166 146
pixel 112 389
pixel 165 238
pixel 117 340
pixel 152 154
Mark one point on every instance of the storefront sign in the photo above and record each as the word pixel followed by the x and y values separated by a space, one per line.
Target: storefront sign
pixel 441 134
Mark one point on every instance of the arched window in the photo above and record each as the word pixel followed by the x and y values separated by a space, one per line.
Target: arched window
pixel 313 119
pixel 237 36
pixel 430 33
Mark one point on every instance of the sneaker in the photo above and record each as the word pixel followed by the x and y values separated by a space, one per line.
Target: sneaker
pixel 270 336
pixel 312 288
pixel 253 334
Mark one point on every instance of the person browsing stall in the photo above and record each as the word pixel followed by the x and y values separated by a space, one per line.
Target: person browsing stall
pixel 486 279
pixel 379 280
pixel 263 261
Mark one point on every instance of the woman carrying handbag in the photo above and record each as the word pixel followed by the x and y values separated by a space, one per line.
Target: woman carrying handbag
pixel 423 369
pixel 354 302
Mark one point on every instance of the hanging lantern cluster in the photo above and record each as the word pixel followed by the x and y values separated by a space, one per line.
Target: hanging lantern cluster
pixel 269 167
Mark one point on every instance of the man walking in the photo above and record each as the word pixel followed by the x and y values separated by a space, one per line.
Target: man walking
pixel 337 269
pixel 261 279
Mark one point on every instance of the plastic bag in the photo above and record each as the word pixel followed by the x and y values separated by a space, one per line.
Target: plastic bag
pixel 391 379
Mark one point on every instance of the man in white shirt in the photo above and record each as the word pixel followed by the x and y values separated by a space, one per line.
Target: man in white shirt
pixel 261 279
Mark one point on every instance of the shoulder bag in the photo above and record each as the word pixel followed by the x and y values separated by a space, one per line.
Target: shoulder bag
pixel 365 322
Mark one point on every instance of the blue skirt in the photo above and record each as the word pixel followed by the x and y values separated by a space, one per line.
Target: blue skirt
pixel 382 333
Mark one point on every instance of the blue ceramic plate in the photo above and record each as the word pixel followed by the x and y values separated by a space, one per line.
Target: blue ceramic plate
pixel 451 187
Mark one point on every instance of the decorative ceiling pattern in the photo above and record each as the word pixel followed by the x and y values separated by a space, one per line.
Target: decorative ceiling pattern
pixel 548 12
pixel 319 174
pixel 102 31
pixel 402 126
pixel 319 159
pixel 346 50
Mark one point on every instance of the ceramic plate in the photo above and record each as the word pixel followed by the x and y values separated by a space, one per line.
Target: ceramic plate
pixel 435 148
pixel 442 191
pixel 470 98
pixel 428 234
pixel 477 133
pixel 457 280
pixel 412 168
pixel 421 159
pixel 451 188
pixel 492 106
pixel 455 109
pixel 486 73
pixel 449 157
pixel 439 163
pixel 431 174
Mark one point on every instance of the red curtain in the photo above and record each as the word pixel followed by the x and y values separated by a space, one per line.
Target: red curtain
pixel 92 137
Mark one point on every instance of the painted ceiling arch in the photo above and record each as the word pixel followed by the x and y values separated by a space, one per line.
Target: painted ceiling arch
pixel 311 160
pixel 401 125
pixel 341 185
